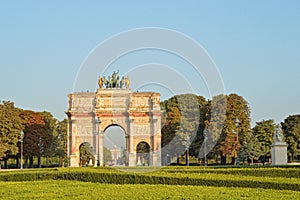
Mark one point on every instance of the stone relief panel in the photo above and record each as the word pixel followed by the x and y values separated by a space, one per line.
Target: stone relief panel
pixel 141 129
pixel 84 128
pixel 82 103
pixel 142 121
pixel 139 104
pixel 108 104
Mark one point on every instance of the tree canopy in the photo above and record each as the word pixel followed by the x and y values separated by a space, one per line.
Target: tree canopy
pixel 291 131
pixel 10 128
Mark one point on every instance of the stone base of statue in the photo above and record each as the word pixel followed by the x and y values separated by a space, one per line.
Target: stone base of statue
pixel 156 159
pixel 131 160
pixel 279 153
pixel 139 162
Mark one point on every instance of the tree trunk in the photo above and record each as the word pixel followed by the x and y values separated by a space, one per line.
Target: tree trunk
pixel 17 162
pixel 233 161
pixel 62 162
pixel 187 162
pixel 223 160
pixel 177 161
pixel 252 161
pixel 31 162
pixel 26 162
pixel 5 164
pixel 39 162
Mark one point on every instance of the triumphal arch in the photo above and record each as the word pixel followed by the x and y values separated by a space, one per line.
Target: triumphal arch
pixel 114 104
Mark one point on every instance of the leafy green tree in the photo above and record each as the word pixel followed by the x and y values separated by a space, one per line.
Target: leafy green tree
pixel 291 131
pixel 48 142
pixel 264 131
pixel 10 127
pixel 216 116
pixel 251 149
pixel 204 108
pixel 61 140
pixel 181 124
pixel 51 131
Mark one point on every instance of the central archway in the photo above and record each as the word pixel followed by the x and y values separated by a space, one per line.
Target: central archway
pixel 114 145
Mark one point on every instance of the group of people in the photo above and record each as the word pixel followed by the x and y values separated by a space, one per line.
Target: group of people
pixel 114 81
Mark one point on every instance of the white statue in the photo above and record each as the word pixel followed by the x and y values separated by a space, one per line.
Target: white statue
pixel 278 136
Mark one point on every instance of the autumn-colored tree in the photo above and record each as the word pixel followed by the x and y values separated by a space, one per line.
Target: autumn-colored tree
pixel 35 135
pixel 10 127
pixel 236 127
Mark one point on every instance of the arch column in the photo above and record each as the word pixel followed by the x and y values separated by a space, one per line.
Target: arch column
pixel 96 149
pixel 132 153
pixel 101 147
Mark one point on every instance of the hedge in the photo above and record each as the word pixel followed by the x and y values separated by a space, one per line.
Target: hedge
pixel 116 177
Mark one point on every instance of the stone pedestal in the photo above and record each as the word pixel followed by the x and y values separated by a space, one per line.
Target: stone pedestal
pixel 131 160
pixel 156 159
pixel 74 161
pixel 139 162
pixel 279 153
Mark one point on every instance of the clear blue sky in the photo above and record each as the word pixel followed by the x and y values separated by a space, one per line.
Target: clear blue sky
pixel 255 44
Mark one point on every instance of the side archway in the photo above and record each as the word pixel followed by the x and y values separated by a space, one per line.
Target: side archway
pixel 86 156
pixel 143 154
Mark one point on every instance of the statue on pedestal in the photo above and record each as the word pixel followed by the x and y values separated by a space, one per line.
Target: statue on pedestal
pixel 278 148
pixel 278 136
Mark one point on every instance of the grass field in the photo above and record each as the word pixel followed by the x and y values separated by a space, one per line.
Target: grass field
pixel 56 185
pixel 86 190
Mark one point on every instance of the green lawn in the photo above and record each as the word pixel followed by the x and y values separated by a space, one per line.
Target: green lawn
pixel 180 183
pixel 85 190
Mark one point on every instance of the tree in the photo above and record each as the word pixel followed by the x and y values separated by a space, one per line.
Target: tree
pixel 35 135
pixel 10 127
pixel 291 132
pixel 216 118
pixel 251 149
pixel 51 131
pixel 48 139
pixel 264 132
pixel 233 135
pixel 61 140
pixel 181 124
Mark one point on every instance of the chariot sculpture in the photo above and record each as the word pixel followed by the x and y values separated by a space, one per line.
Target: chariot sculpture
pixel 114 81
